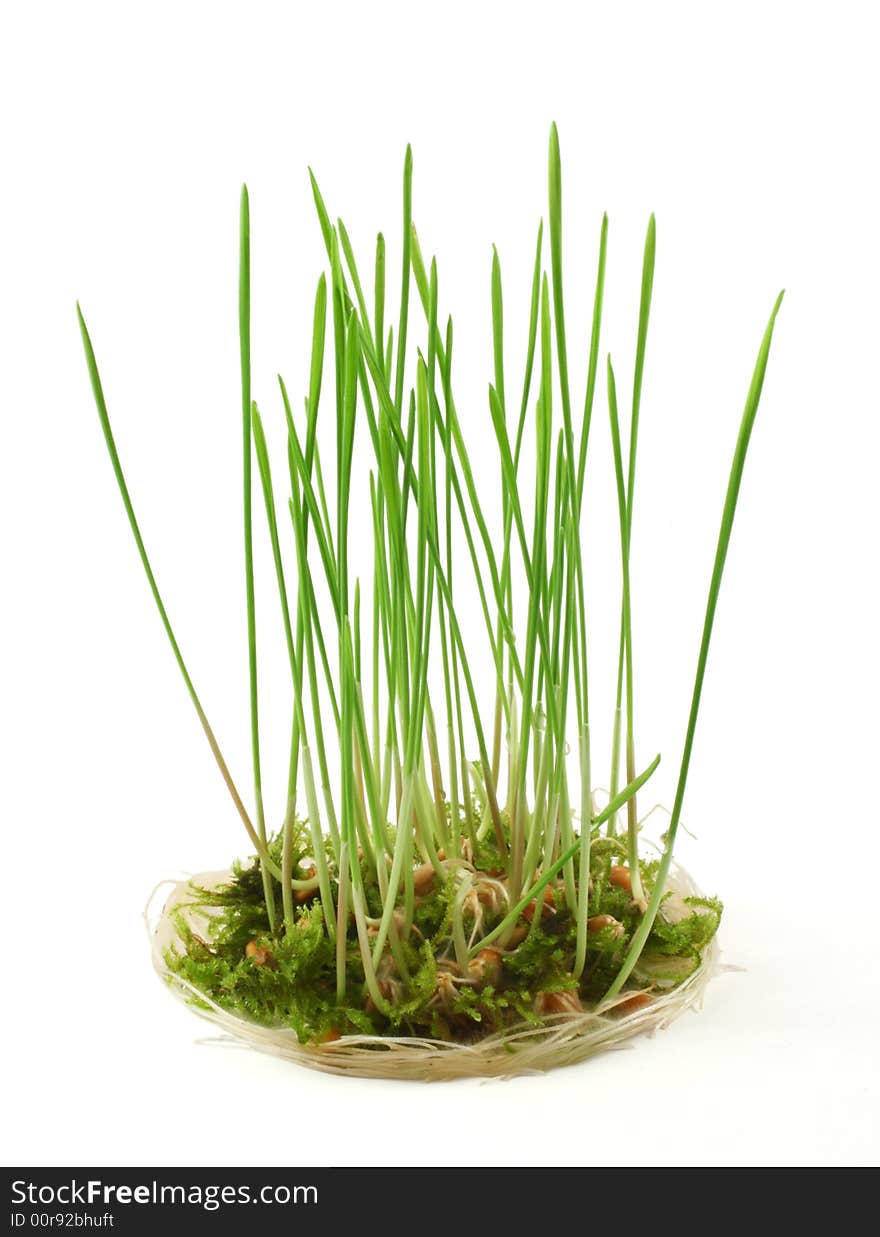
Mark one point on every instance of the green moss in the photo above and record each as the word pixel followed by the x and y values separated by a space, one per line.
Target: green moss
pixel 288 978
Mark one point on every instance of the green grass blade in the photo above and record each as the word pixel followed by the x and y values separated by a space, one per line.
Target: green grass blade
pixel 638 372
pixel 244 327
pixel 104 418
pixel 404 281
pixel 594 358
pixel 379 294
pixel 727 516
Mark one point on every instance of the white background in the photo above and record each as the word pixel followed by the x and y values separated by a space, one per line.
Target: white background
pixel 751 130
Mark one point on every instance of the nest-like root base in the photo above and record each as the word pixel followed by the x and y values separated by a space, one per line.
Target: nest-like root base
pixel 523 1045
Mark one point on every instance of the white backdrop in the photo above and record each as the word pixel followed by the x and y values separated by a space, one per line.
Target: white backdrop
pixel 749 130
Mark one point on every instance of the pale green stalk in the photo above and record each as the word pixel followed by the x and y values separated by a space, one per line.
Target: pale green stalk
pixel 626 642
pixel 556 867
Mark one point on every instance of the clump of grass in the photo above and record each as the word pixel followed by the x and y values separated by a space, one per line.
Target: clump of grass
pixel 417 891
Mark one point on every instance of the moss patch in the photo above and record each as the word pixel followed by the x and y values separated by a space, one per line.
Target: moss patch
pixel 288 978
